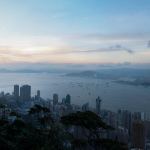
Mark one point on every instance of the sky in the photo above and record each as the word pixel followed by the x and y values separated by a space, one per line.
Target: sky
pixel 75 33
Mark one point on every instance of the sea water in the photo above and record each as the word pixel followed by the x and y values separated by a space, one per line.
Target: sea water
pixel 82 90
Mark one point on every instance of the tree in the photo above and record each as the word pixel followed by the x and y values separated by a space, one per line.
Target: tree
pixel 43 115
pixel 57 135
pixel 13 113
pixel 22 135
pixel 92 126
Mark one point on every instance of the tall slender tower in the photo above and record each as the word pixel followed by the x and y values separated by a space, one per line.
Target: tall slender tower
pixel 38 93
pixel 16 92
pixel 55 99
pixel 98 105
pixel 126 120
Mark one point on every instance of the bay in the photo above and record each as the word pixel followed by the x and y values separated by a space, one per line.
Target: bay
pixel 114 95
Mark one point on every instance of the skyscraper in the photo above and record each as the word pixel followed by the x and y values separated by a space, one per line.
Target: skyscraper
pixel 126 120
pixel 55 99
pixel 38 93
pixel 143 116
pixel 136 115
pixel 68 99
pixel 25 93
pixel 85 107
pixel 63 101
pixel 119 111
pixel 2 94
pixel 122 134
pixel 138 134
pixel 148 129
pixel 16 92
pixel 98 105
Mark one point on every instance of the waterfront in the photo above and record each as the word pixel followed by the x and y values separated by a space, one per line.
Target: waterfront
pixel 114 96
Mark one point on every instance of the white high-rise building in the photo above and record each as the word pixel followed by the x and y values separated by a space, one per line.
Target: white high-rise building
pixel 143 116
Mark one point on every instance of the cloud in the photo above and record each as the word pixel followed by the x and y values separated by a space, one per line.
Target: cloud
pixel 148 45
pixel 75 65
pixel 45 51
pixel 124 64
pixel 4 59
pixel 5 49
pixel 130 51
pixel 49 53
pixel 110 49
pixel 119 47
pixel 105 65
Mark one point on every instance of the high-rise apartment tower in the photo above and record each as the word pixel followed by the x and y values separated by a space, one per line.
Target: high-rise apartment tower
pixel 16 92
pixel 138 138
pixel 38 93
pixel 68 99
pixel 25 93
pixel 126 120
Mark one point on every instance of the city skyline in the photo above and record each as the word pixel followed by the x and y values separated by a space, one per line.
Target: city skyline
pixel 96 33
pixel 126 126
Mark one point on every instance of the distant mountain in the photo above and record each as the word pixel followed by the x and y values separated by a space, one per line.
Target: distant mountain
pixel 26 71
pixel 83 74
pixel 92 74
pixel 2 70
pixel 127 72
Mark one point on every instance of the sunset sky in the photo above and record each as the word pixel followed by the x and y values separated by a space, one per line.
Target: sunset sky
pixel 99 33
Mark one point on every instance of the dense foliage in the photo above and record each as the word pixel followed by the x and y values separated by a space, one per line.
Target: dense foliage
pixel 21 135
pixel 91 127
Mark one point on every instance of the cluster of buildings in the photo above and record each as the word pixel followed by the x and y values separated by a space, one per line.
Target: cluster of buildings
pixel 24 96
pixel 131 128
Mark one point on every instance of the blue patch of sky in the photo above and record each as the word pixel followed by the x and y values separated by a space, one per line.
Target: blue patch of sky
pixel 74 17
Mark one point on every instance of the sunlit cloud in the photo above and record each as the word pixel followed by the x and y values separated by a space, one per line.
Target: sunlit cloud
pixel 5 59
pixel 146 53
pixel 35 51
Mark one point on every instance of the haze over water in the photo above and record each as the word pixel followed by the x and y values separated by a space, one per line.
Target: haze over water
pixel 114 96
